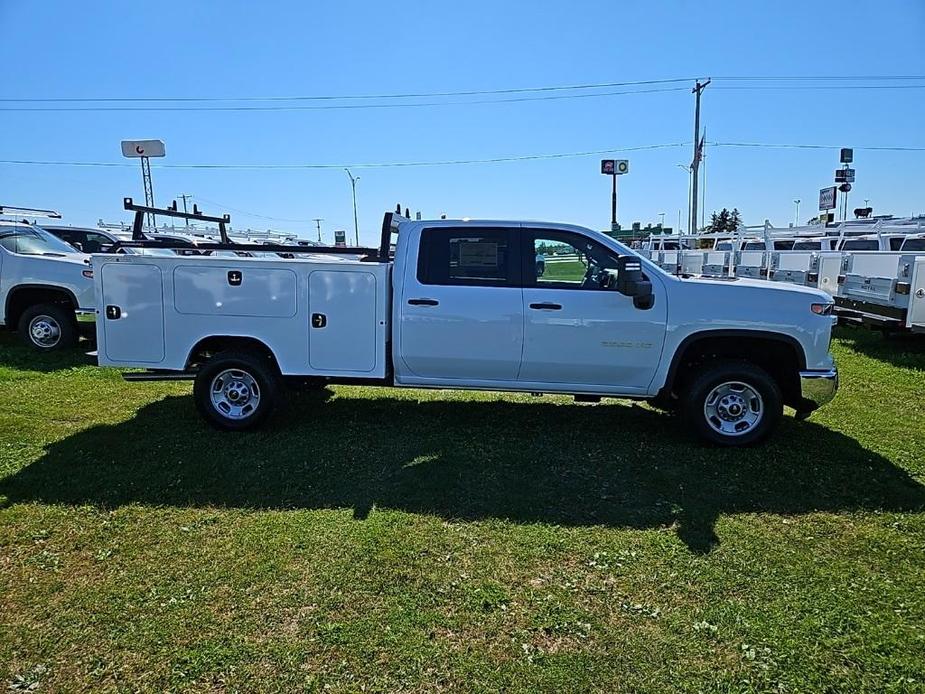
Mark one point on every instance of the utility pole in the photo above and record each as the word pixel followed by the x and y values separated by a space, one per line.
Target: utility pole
pixel 356 226
pixel 317 221
pixel 796 216
pixel 695 164
pixel 184 196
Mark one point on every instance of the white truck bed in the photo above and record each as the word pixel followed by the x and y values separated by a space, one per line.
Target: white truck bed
pixel 325 317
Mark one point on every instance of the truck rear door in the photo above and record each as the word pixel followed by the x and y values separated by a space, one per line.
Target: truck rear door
pixel 461 314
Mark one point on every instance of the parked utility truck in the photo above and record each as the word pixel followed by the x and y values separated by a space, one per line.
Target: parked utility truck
pixel 462 305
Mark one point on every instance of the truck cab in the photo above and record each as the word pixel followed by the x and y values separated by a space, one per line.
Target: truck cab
pixel 464 304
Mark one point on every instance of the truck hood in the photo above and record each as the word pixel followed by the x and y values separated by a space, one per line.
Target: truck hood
pixel 758 285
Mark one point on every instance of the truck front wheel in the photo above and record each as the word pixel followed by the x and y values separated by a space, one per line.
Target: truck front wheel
pixel 235 390
pixel 732 404
pixel 48 327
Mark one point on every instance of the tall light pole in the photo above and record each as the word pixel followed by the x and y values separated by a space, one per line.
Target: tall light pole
pixel 356 226
pixel 796 214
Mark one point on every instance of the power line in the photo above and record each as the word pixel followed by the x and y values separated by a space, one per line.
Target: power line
pixel 458 93
pixel 338 107
pixel 248 214
pixel 451 162
pixel 776 145
pixel 345 97
pixel 448 162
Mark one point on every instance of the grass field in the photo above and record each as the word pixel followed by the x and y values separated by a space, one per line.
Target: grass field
pixel 388 540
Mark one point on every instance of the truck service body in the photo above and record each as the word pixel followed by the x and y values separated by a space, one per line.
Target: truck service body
pixel 464 304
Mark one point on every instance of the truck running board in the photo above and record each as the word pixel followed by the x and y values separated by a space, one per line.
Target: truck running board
pixel 159 376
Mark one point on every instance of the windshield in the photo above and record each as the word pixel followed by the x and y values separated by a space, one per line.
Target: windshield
pixel 914 245
pixel 807 246
pixel 31 241
pixel 753 246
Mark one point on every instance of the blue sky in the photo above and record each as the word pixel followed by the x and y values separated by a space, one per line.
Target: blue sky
pixel 233 49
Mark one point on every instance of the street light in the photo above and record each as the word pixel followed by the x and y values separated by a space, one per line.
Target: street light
pixel 796 215
pixel 356 226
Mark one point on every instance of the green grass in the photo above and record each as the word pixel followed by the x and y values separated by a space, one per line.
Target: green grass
pixel 563 271
pixel 390 540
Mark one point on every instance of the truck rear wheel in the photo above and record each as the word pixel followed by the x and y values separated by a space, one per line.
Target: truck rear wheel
pixel 732 404
pixel 235 390
pixel 48 327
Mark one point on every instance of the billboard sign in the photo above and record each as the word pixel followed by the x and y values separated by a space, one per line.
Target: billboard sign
pixel 827 199
pixel 615 167
pixel 135 149
pixel 844 175
pixel 340 238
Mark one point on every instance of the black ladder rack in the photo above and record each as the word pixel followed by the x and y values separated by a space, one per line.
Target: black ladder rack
pixel 139 240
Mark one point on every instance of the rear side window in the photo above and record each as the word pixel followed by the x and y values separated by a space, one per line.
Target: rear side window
pixel 754 246
pixel 807 246
pixel 895 244
pixel 724 246
pixel 914 245
pixel 860 245
pixel 784 245
pixel 479 257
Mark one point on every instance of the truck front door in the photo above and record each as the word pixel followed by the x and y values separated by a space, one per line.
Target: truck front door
pixel 578 331
pixel 461 310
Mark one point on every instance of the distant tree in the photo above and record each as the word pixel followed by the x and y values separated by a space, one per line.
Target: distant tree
pixel 735 219
pixel 725 220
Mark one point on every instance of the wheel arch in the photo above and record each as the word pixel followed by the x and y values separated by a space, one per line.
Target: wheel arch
pixel 213 344
pixel 782 356
pixel 22 296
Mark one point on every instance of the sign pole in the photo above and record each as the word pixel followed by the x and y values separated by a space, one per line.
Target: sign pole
pixel 613 204
pixel 149 189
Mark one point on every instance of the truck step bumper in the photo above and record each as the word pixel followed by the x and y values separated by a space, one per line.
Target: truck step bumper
pixel 817 388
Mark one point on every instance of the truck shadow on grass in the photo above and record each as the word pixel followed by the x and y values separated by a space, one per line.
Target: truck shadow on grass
pixel 15 355
pixel 610 465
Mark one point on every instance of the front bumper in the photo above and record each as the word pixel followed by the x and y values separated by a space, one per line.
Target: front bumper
pixel 818 387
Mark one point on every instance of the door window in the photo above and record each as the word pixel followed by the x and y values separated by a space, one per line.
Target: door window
pixel 564 260
pixel 481 257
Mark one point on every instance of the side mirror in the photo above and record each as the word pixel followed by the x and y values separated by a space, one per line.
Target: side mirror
pixel 630 282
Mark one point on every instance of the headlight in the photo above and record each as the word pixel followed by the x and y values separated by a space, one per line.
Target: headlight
pixel 821 309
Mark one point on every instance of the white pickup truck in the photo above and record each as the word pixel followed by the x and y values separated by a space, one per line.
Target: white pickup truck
pixel 46 287
pixel 462 305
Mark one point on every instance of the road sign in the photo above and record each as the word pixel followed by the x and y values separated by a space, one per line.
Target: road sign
pixel 615 167
pixel 844 175
pixel 847 155
pixel 136 149
pixel 827 199
pixel 845 187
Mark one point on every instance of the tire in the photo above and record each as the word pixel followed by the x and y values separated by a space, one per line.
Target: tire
pixel 235 391
pixel 732 403
pixel 48 327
